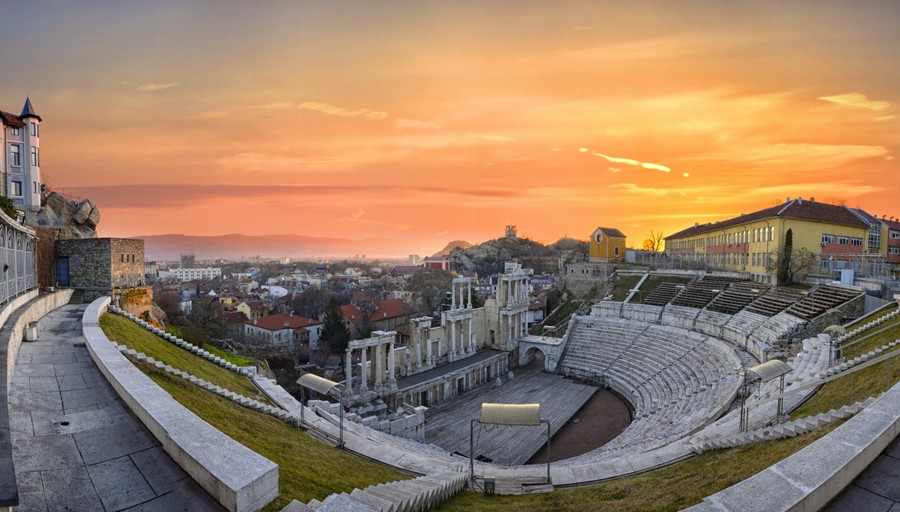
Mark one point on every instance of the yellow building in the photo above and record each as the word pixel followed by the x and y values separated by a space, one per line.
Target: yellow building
pixel 607 244
pixel 838 237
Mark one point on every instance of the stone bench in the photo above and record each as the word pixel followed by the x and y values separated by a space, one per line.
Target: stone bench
pixel 237 477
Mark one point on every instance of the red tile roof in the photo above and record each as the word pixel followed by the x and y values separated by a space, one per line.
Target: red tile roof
pixel 795 209
pixel 280 321
pixel 235 317
pixel 390 308
pixel 11 119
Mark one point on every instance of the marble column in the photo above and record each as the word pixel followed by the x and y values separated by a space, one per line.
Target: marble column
pixel 452 340
pixel 470 295
pixel 364 369
pixel 428 351
pixel 379 366
pixel 348 369
pixel 391 363
pixel 469 335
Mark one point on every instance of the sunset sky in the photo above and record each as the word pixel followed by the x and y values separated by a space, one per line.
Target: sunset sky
pixel 432 121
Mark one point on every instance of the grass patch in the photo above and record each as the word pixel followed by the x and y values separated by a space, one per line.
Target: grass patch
pixel 307 469
pixel 652 282
pixel 891 333
pixel 672 488
pixel 623 285
pixel 870 317
pixel 228 356
pixel 849 389
pixel 125 332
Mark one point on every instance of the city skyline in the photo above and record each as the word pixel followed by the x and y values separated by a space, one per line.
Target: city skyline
pixel 428 123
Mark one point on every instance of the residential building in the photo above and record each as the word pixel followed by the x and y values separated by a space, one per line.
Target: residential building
pixel 20 164
pixel 280 329
pixel 192 273
pixel 607 244
pixel 837 237
pixel 437 262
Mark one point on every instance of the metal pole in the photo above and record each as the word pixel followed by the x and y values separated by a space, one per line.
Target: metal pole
pixel 341 409
pixel 548 451
pixel 302 399
pixel 780 400
pixel 472 453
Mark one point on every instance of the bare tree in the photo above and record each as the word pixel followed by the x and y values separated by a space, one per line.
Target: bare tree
pixel 654 242
pixel 790 265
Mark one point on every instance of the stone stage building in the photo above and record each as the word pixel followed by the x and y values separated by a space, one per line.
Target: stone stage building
pixel 471 347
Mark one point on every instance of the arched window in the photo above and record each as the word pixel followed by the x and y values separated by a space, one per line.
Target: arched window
pixel 599 237
pixel 617 250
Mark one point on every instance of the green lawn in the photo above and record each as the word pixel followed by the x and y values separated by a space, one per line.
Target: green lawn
pixel 228 356
pixel 125 332
pixel 307 468
pixel 872 316
pixel 623 285
pixel 892 333
pixel 672 488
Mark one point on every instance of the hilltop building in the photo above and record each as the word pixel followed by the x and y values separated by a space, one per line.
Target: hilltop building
pixel 20 165
pixel 607 244
pixel 837 237
pixel 100 266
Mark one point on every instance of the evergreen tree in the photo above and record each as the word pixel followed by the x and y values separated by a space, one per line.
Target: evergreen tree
pixel 784 263
pixel 334 331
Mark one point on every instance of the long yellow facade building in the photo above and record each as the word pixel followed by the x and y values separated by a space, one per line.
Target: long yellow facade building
pixel 838 237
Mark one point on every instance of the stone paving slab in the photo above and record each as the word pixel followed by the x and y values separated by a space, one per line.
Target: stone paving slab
pixel 120 484
pixel 74 443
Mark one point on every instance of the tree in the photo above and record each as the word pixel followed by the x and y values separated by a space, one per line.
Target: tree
pixel 654 242
pixel 789 262
pixel 784 261
pixel 431 285
pixel 334 331
pixel 312 302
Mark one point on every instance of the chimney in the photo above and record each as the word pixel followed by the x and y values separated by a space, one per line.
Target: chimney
pixel 812 199
pixel 696 224
pixel 787 199
pixel 800 200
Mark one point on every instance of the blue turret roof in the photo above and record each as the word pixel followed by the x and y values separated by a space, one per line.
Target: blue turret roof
pixel 28 110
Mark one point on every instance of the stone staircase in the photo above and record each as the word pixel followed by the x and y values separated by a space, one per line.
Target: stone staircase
pixel 77 297
pixel 419 494
pixel 846 365
pixel 788 429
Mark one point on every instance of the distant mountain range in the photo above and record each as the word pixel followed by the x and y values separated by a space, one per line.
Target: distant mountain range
pixel 237 246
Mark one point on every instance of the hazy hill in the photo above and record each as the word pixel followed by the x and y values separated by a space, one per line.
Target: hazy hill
pixel 462 244
pixel 236 246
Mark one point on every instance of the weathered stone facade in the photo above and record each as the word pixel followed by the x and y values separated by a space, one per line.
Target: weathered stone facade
pixel 100 265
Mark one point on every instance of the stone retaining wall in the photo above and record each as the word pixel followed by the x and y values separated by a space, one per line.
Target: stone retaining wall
pixel 239 478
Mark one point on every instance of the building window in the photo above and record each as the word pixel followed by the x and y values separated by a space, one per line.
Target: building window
pixel 15 155
pixel 895 234
pixel 894 249
pixel 875 236
pixel 856 242
pixel 17 188
pixel 15 131
pixel 35 156
pixel 827 239
pixel 34 129
pixel 843 240
pixel 771 233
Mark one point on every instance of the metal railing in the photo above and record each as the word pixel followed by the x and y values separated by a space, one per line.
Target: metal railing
pixel 17 258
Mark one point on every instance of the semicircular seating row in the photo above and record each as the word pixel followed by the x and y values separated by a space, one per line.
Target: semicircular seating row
pixel 677 380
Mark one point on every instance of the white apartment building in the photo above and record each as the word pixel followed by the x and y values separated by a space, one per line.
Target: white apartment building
pixel 20 164
pixel 194 274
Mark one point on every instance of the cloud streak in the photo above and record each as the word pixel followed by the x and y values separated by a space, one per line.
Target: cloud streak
pixel 631 161
pixel 150 87
pixel 858 100
pixel 635 189
pixel 333 110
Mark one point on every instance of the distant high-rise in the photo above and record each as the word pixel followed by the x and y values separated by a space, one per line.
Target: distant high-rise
pixel 20 164
pixel 187 260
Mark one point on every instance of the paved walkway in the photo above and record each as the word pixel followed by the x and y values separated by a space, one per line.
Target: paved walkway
pixel 75 445
pixel 877 488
